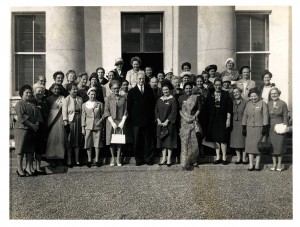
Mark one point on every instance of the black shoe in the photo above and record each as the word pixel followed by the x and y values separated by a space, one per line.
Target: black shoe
pixel 98 164
pixel 20 175
pixel 28 174
pixel 239 162
pixel 164 163
pixel 169 164
pixel 259 169
pixel 138 163
pixel 69 165
pixel 41 172
pixel 224 162
pixel 189 168
pixel 150 163
pixel 217 161
pixel 251 169
pixel 245 163
pixel 89 164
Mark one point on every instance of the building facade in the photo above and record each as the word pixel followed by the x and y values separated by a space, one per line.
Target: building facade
pixel 48 39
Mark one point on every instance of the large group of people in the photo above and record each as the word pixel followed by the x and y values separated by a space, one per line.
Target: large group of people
pixel 174 115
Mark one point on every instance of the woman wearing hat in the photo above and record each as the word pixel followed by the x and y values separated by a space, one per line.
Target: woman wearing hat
pixel 94 82
pixel 212 71
pixel 92 123
pixel 226 85
pixel 267 85
pixel 255 125
pixel 119 71
pixel 132 74
pixel 278 113
pixel 230 71
pixel 185 77
pixel 166 113
pixel 186 67
pixel 245 84
pixel 218 109
pixel 168 74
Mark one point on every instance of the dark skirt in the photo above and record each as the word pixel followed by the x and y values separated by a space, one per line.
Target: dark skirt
pixel 74 136
pixel 237 140
pixel 217 129
pixel 25 140
pixel 253 137
pixel 278 140
pixel 170 141
pixel 41 140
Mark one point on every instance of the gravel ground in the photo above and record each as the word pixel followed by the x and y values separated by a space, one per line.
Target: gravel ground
pixel 129 192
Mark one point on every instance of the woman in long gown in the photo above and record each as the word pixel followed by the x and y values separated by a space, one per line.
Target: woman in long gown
pixel 56 132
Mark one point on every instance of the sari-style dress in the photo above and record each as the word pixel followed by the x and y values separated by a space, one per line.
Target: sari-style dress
pixel 189 144
pixel 56 131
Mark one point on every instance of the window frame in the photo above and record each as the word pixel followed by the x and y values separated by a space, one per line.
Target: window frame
pixel 267 36
pixel 20 53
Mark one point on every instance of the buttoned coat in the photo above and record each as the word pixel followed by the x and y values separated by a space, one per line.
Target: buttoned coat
pixel 68 107
pixel 256 114
pixel 90 116
pixel 250 84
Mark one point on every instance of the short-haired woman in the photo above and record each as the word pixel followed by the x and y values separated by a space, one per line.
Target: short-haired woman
pixel 71 77
pixel 132 74
pixel 266 86
pixel 245 84
pixel 28 121
pixel 230 71
pixel 58 78
pixel 101 73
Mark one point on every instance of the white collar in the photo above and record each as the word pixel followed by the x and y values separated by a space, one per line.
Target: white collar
pixel 166 98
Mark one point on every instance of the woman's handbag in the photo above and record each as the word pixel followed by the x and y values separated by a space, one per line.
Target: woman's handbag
pixel 280 128
pixel 164 132
pixel 117 138
pixel 264 146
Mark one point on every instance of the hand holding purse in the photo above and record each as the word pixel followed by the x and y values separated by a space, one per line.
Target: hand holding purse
pixel 164 132
pixel 264 146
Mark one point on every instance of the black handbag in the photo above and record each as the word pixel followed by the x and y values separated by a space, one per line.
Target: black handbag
pixel 264 146
pixel 164 132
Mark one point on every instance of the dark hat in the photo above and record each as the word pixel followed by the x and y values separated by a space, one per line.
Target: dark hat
pixel 243 67
pixel 167 83
pixel 186 63
pixel 209 67
pixel 253 90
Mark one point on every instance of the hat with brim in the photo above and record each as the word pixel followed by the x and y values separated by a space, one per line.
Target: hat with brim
pixel 226 79
pixel 229 59
pixel 187 73
pixel 119 61
pixel 253 90
pixel 210 67
pixel 166 71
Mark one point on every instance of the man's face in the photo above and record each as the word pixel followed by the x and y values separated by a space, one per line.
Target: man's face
pixel 141 79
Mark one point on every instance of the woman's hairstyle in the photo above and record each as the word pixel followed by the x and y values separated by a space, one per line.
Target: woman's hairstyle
pixel 217 79
pixel 94 75
pixel 71 71
pixel 23 88
pixel 113 82
pixel 70 85
pixel 36 86
pixel 83 74
pixel 167 83
pixel 187 64
pixel 254 90
pixel 56 84
pixel 126 81
pixel 205 72
pixel 113 72
pixel 176 78
pixel 99 69
pixel 237 88
pixel 265 73
pixel 244 67
pixel 188 83
pixel 200 76
pixel 275 88
pixel 58 73
pixel 135 58
pixel 161 72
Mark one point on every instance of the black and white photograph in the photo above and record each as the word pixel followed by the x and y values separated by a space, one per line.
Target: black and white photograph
pixel 175 111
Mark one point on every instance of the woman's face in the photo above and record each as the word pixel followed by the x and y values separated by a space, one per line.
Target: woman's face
pixel 160 77
pixel 92 95
pixel 186 68
pixel 212 72
pixel 226 84
pixel 246 73
pixel 119 66
pixel 71 77
pixel 166 91
pixel 73 91
pixel 229 65
pixel 254 97
pixel 205 76
pixel 188 89
pixel 169 76
pixel 100 74
pixel 176 83
pixel 59 79
pixel 267 79
pixel 135 66
pixel 237 94
pixel 185 79
pixel 115 89
pixel 199 82
pixel 27 94
pixel 218 86
pixel 39 93
pixel 56 90
pixel 274 95
pixel 84 80
pixel 94 82
pixel 125 86
pixel 110 76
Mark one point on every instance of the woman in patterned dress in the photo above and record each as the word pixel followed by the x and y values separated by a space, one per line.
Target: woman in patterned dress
pixel 189 110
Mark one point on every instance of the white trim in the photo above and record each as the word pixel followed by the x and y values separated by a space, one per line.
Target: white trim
pixel 30 53
pixel 253 52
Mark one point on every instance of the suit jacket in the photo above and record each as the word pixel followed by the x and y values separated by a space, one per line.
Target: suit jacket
pixel 250 84
pixel 68 107
pixel 90 116
pixel 122 75
pixel 256 114
pixel 115 109
pixel 141 106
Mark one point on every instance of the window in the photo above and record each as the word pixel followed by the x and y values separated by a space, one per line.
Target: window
pixel 252 42
pixel 29 48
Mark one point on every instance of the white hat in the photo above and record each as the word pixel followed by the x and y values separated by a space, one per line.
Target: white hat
pixel 118 61
pixel 91 89
pixel 169 70
pixel 229 59
pixel 185 73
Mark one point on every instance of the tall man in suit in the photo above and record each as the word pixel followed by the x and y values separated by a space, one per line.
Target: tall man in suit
pixel 140 106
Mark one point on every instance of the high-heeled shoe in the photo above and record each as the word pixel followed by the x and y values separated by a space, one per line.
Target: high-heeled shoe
pixel 20 175
pixel 89 164
pixel 279 169
pixel 28 174
pixel 273 168
pixel 119 164
pixel 169 164
pixel 112 164
pixel 251 169
pixel 162 163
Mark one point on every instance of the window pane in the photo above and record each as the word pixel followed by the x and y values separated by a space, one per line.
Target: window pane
pixel 258 66
pixel 23 70
pixel 242 33
pixel 39 33
pixel 258 33
pixel 242 60
pixel 131 42
pixel 39 66
pixel 153 23
pixel 131 23
pixel 153 42
pixel 24 33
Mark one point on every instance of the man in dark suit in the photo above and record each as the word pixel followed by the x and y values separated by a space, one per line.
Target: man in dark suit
pixel 119 71
pixel 140 106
